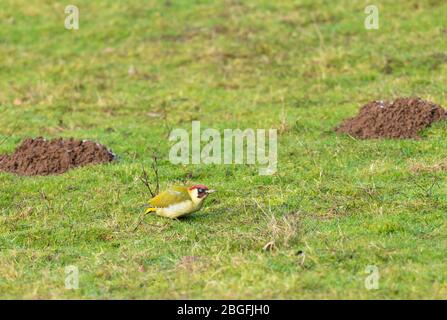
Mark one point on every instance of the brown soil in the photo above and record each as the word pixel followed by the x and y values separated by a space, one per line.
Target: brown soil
pixel 44 157
pixel 401 118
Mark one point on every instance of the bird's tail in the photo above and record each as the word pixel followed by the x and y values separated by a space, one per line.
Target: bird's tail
pixel 149 210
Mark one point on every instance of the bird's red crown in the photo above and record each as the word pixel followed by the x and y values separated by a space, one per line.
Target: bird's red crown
pixel 198 186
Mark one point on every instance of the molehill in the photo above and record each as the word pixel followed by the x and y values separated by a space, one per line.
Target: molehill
pixel 44 157
pixel 402 118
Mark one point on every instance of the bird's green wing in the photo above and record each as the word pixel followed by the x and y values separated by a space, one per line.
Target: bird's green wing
pixel 173 195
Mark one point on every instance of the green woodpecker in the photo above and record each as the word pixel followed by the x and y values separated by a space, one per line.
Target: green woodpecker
pixel 179 201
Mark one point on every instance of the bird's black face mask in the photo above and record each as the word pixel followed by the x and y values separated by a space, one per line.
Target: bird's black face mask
pixel 201 193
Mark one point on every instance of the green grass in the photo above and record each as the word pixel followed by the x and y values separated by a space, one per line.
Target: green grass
pixel 299 66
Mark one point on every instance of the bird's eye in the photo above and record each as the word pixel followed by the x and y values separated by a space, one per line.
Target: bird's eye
pixel 201 190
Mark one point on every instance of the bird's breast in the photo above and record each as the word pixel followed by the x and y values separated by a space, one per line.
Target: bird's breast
pixel 178 209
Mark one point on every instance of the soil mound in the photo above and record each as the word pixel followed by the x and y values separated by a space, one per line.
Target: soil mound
pixel 44 157
pixel 401 118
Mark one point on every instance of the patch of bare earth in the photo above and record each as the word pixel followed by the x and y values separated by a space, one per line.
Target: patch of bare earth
pixel 402 118
pixel 44 157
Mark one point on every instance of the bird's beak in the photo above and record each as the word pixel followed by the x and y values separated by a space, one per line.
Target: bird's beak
pixel 210 191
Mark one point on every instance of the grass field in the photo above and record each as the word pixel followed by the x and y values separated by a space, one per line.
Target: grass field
pixel 137 69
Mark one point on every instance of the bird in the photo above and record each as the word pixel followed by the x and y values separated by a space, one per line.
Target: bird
pixel 179 201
